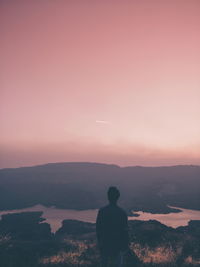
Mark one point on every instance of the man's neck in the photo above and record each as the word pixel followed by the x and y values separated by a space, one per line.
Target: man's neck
pixel 113 203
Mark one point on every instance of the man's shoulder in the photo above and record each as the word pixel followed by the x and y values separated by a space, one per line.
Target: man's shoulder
pixel 122 210
pixel 107 208
pixel 104 208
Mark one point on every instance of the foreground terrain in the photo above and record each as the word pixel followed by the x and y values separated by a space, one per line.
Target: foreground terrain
pixel 26 241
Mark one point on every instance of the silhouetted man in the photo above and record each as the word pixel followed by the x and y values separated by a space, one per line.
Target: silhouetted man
pixel 112 230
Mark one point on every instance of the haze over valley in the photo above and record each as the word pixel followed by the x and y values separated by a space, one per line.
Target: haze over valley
pixel 84 185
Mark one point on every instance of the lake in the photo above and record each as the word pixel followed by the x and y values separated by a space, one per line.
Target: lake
pixel 55 216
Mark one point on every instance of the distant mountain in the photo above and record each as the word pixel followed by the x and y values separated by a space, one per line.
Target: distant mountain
pixel 79 185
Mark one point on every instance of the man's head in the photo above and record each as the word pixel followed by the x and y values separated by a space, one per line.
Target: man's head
pixel 113 194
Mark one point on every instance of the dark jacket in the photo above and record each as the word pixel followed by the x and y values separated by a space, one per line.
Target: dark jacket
pixel 112 229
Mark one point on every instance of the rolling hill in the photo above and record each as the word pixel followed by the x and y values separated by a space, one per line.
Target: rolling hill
pixel 79 185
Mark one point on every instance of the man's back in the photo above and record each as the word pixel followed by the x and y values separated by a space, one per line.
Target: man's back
pixel 112 229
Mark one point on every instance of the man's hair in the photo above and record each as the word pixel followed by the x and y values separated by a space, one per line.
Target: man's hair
pixel 113 194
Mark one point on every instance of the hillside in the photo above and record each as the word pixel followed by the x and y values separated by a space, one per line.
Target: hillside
pixel 84 185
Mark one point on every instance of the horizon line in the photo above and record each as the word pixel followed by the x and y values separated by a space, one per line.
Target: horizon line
pixel 101 163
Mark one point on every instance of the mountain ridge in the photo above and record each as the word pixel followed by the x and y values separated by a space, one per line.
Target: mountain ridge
pixel 83 185
pixel 100 164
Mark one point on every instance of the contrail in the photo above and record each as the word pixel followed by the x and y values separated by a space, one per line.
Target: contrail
pixel 101 121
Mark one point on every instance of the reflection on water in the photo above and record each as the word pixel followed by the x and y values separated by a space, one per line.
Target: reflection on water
pixel 55 216
pixel 171 219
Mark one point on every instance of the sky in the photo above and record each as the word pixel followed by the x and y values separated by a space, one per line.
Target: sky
pixel 101 81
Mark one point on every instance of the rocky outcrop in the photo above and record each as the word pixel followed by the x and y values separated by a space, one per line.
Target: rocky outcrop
pixel 26 241
pixel 25 226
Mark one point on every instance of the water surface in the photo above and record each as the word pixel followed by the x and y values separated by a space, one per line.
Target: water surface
pixel 171 219
pixel 55 216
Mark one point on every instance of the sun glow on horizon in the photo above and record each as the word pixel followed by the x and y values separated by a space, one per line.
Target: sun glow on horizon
pixel 100 81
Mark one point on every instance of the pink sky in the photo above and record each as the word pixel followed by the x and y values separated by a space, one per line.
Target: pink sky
pixel 106 81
